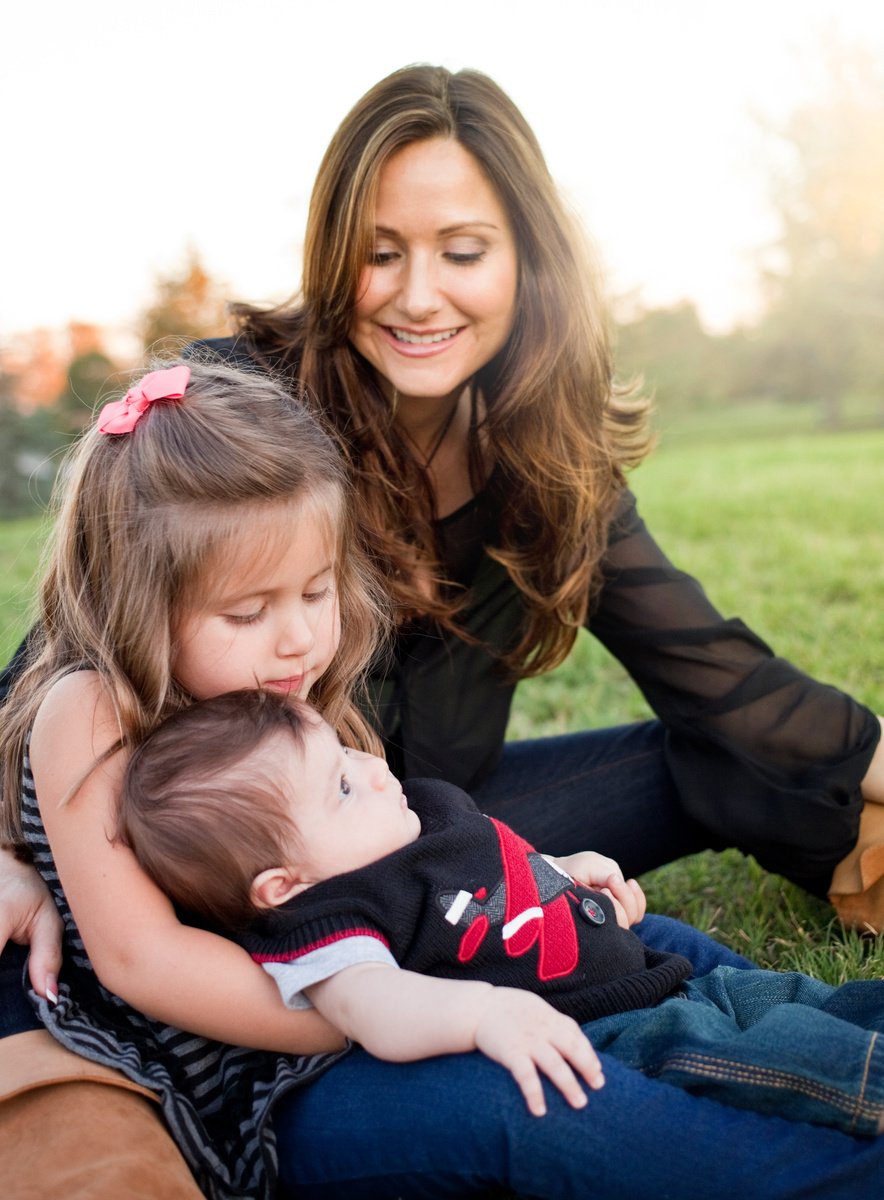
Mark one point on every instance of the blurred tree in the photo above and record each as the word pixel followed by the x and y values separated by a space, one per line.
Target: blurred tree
pixel 188 304
pixel 683 366
pixel 824 330
pixel 27 458
pixel 11 445
pixel 89 376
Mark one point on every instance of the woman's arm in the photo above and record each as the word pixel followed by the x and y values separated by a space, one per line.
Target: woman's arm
pixel 138 948
pixel 401 1016
pixel 28 915
pixel 765 757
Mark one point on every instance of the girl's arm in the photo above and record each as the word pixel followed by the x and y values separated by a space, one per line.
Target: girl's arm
pixel 401 1016
pixel 182 976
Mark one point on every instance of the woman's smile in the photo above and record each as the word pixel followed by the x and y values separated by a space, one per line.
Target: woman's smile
pixel 436 302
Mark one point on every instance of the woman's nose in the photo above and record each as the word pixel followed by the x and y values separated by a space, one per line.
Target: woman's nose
pixel 419 294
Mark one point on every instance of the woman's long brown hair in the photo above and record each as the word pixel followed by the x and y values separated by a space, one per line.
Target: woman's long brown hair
pixel 557 430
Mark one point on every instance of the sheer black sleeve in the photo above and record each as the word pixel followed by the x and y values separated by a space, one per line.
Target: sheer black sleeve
pixel 763 756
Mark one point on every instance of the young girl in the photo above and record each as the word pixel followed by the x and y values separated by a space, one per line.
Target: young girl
pixel 204 542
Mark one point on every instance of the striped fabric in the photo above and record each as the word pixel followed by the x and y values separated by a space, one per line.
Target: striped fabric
pixel 216 1098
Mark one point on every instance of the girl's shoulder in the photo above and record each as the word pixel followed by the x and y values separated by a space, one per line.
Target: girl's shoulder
pixel 76 721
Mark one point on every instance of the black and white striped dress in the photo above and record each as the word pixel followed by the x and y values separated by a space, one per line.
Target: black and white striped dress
pixel 216 1099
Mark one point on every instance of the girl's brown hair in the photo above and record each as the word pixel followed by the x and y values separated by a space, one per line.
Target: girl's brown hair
pixel 557 430
pixel 144 518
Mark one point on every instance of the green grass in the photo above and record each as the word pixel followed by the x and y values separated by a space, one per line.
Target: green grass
pixel 785 532
pixel 20 545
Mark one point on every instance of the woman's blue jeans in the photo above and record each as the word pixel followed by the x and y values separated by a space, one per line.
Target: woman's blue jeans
pixel 779 1043
pixel 458 1127
pixel 607 790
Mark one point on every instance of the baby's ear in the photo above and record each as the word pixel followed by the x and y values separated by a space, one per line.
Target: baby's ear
pixel 274 886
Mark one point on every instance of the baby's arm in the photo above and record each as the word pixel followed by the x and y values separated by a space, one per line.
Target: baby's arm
pixel 183 976
pixel 401 1016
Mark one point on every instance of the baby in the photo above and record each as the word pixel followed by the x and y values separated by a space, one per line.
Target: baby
pixel 419 926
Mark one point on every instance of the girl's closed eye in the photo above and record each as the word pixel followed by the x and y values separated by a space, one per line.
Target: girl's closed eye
pixel 317 596
pixel 382 258
pixel 245 618
pixel 463 258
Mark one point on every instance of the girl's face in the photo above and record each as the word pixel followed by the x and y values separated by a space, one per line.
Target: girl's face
pixel 436 302
pixel 271 621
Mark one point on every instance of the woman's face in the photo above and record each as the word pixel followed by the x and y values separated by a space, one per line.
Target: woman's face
pixel 436 301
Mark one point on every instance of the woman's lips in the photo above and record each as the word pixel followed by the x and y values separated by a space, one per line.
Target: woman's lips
pixel 423 343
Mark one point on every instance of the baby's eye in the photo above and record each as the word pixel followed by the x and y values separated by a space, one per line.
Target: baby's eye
pixel 345 788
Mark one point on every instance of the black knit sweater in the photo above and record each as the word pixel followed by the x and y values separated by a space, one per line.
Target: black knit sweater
pixel 470 899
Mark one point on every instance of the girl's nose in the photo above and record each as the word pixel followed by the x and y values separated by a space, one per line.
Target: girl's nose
pixel 295 638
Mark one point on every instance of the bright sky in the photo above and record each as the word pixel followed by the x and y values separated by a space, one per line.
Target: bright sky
pixel 132 131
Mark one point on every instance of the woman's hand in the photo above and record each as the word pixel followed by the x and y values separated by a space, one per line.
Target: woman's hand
pixel 28 915
pixel 604 875
pixel 873 783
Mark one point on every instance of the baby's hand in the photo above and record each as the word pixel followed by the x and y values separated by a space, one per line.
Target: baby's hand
pixel 604 875
pixel 525 1034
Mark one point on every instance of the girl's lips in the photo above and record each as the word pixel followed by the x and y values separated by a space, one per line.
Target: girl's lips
pixel 421 349
pixel 292 684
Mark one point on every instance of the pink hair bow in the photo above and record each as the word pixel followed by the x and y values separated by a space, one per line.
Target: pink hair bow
pixel 121 416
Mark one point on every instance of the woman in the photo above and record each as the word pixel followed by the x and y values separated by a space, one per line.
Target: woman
pixel 451 334
pixel 467 373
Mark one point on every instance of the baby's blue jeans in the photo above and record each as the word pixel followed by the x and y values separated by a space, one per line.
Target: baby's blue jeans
pixel 778 1043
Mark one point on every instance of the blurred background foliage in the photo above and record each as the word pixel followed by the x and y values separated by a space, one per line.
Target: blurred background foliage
pixel 811 359
pixel 44 406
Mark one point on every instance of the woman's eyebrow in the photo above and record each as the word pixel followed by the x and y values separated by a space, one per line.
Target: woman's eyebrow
pixel 449 229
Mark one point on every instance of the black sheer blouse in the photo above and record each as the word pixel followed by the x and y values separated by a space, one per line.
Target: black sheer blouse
pixel 756 747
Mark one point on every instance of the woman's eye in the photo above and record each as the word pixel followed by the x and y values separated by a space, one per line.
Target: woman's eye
pixel 460 258
pixel 316 597
pixel 345 786
pixel 381 258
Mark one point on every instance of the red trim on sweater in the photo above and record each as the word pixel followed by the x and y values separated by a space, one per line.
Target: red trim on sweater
pixel 291 955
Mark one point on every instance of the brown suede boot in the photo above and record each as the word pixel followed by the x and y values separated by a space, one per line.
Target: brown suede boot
pixel 857 889
pixel 73 1130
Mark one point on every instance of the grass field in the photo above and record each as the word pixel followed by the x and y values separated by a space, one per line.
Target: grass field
pixel 785 532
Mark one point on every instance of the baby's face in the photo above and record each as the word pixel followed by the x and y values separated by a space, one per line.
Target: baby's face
pixel 348 809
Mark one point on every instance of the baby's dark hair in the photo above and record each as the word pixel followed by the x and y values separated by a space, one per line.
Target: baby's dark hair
pixel 203 809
